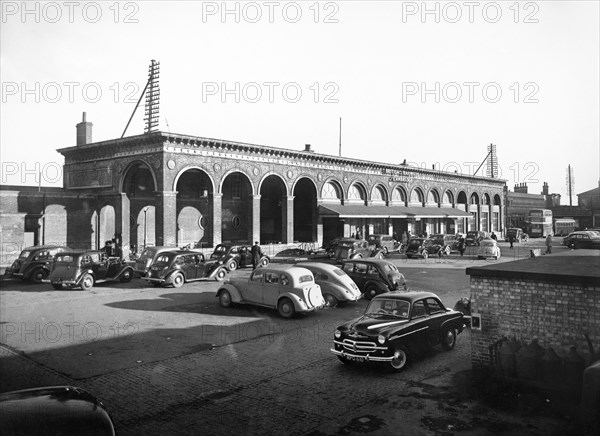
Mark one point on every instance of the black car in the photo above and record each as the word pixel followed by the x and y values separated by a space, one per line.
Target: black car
pixel 449 243
pixel 350 248
pixel 424 247
pixel 54 410
pixel 582 239
pixel 293 255
pixel 236 256
pixel 374 276
pixel 395 327
pixel 84 268
pixel 385 243
pixel 179 267
pixel 34 263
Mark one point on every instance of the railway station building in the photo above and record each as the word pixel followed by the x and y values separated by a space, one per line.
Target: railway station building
pixel 170 189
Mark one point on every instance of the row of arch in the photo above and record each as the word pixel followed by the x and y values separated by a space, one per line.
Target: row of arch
pixel 195 181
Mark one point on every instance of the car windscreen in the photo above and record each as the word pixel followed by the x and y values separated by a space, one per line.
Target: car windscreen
pixel 340 272
pixel 221 249
pixel 148 252
pixel 415 243
pixel 388 306
pixel 345 244
pixel 24 254
pixel 471 234
pixel 164 258
pixel 390 267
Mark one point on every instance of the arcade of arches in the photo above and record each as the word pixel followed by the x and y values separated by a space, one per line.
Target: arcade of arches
pixel 174 190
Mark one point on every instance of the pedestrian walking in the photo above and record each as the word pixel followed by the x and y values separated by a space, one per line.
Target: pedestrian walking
pixel 461 246
pixel 511 240
pixel 358 234
pixel 494 237
pixel 549 244
pixel 256 254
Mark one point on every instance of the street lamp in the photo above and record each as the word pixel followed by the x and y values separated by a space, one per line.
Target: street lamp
pixel 145 228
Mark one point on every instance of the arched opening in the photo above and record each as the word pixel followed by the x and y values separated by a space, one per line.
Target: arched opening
pixel 357 194
pixel 379 195
pixel 399 195
pixel 103 226
pixel 140 187
pixel 433 198
pixel 272 204
pixel 194 208
pixel 416 197
pixel 145 234
pixel 236 209
pixel 305 211
pixel 331 192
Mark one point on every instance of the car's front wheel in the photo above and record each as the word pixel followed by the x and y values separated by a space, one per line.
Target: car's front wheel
pixel 425 254
pixel 330 300
pixel 285 307
pixel 87 282
pixel 225 298
pixel 447 250
pixel 371 292
pixel 448 339
pixel 126 276
pixel 232 265
pixel 400 360
pixel 177 280
pixel 38 275
pixel 264 262
pixel 221 274
pixel 385 250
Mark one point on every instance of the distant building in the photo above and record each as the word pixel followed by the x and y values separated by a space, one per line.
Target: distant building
pixel 590 202
pixel 519 203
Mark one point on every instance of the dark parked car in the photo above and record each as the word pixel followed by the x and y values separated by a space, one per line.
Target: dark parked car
pixel 349 248
pixel 474 237
pixel 293 255
pixel 583 239
pixel 448 242
pixel 397 326
pixel 236 256
pixel 55 410
pixel 34 263
pixel 423 247
pixel 179 267
pixel 84 268
pixel 147 258
pixel 374 276
pixel 385 243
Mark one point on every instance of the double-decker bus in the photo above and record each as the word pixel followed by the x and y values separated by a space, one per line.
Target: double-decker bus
pixel 564 226
pixel 539 223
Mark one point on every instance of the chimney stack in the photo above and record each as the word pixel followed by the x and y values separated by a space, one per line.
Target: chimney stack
pixel 307 148
pixel 521 188
pixel 545 189
pixel 84 132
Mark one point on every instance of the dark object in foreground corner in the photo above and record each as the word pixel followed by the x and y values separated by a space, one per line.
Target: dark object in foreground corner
pixel 55 410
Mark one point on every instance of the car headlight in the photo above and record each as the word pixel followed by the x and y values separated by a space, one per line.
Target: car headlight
pixel 381 339
pixel 337 334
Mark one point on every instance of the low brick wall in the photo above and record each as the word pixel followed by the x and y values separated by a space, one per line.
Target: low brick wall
pixel 558 314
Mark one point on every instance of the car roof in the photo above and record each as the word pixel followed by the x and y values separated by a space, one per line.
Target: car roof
pixel 406 295
pixel 285 267
pixel 79 252
pixel 42 247
pixel 371 261
pixel 318 265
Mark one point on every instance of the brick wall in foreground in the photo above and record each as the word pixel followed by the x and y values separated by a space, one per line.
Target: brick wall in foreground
pixel 557 313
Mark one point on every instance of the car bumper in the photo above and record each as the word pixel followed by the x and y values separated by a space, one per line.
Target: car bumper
pixel 61 282
pixel 155 280
pixel 361 357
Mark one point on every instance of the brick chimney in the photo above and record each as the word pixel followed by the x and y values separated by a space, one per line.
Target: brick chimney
pixel 545 189
pixel 521 188
pixel 84 132
pixel 307 148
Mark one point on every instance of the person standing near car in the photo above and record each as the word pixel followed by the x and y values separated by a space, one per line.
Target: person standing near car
pixel 494 237
pixel 549 244
pixel 461 246
pixel 256 254
pixel 511 240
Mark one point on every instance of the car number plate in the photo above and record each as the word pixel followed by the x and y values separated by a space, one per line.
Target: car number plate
pixel 356 358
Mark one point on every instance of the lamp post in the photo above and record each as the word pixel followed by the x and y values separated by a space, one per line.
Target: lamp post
pixel 145 229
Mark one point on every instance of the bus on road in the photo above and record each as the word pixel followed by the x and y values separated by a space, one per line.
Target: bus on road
pixel 539 223
pixel 564 226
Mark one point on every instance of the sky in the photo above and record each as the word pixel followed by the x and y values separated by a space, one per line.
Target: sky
pixel 431 82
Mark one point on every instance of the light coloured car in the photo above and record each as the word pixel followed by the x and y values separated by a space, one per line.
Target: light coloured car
pixel 336 285
pixel 488 248
pixel 287 288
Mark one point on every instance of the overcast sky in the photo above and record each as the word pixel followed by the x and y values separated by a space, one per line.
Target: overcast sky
pixel 432 83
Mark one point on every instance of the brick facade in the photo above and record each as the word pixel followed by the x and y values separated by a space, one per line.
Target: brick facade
pixel 529 299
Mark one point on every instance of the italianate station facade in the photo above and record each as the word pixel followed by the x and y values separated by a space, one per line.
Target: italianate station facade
pixel 168 189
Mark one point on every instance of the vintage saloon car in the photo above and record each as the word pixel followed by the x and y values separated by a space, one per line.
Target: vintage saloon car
pixel 488 248
pixel 395 327
pixel 385 243
pixel 34 263
pixel 424 247
pixel 293 255
pixel 179 267
pixel 289 289
pixel 583 239
pixel 474 237
pixel 236 256
pixel 53 410
pixel 449 242
pixel 84 268
pixel 374 276
pixel 349 248
pixel 336 285
pixel 147 258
